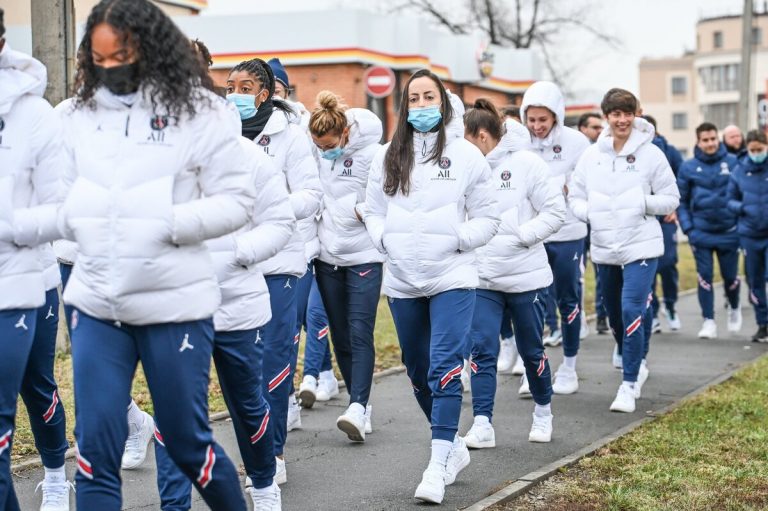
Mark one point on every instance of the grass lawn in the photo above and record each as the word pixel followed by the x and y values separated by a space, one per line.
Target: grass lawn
pixel 710 453
pixel 387 355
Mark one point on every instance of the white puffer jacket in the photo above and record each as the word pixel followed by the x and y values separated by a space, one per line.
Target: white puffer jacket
pixel 532 209
pixel 621 194
pixel 343 238
pixel 31 160
pixel 244 293
pixel 144 192
pixel 560 150
pixel 288 144
pixel 429 236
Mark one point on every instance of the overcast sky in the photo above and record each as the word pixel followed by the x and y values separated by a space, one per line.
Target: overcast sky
pixel 646 28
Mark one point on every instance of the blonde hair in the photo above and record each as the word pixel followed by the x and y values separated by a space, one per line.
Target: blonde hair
pixel 329 116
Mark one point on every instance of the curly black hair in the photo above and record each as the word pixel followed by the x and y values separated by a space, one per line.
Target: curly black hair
pixel 168 66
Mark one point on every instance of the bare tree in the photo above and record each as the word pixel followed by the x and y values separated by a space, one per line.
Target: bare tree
pixel 520 24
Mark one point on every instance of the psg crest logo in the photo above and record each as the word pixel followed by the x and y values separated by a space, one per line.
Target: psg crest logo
pixel 264 140
pixel 557 149
pixel 159 122
pixel 506 175
pixel 348 162
pixel 445 162
pixel 631 158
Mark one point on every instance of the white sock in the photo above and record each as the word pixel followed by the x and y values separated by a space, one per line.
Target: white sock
pixel 482 420
pixel 440 451
pixel 135 415
pixel 55 475
pixel 292 400
pixel 570 362
pixel 542 410
pixel 630 384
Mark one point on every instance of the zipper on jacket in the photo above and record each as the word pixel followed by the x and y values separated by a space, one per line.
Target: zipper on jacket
pixel 127 121
pixel 424 148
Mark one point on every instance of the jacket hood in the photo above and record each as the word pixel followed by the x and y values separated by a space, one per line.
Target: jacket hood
pixel 548 95
pixel 516 138
pixel 750 166
pixel 642 133
pixel 703 157
pixel 365 129
pixel 455 128
pixel 20 74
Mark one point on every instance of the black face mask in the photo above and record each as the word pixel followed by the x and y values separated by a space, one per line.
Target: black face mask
pixel 120 80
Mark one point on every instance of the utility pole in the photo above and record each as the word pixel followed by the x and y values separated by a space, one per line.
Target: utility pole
pixel 745 92
pixel 53 44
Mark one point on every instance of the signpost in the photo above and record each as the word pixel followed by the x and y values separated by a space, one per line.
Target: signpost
pixel 379 81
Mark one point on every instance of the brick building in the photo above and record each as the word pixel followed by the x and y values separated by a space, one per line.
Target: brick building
pixel 337 58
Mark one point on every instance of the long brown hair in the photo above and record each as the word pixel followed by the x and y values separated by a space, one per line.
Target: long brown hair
pixel 399 159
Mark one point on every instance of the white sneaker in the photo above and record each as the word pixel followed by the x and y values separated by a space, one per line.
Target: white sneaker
pixel 541 429
pixel 266 499
pixel 481 435
pixel 294 413
pixel 525 389
pixel 566 380
pixel 466 381
pixel 281 474
pixel 617 360
pixel 507 354
pixel 432 485
pixel 708 329
pixel 352 422
pixel 519 368
pixel 642 377
pixel 136 445
pixel 308 391
pixel 458 459
pixel 327 386
pixel 734 320
pixel 625 399
pixel 554 338
pixel 584 331
pixel 656 326
pixel 55 495
pixel 368 426
pixel 673 320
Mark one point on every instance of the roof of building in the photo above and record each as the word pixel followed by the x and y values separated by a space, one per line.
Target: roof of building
pixel 359 36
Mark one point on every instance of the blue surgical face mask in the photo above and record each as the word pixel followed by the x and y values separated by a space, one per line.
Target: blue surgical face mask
pixel 424 119
pixel 332 154
pixel 245 103
pixel 759 157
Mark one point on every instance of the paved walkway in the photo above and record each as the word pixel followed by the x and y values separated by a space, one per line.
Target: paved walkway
pixel 326 472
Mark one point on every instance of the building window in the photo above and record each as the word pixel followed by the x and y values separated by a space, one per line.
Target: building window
pixel 680 121
pixel 757 36
pixel 724 77
pixel 679 85
pixel 717 39
pixel 720 114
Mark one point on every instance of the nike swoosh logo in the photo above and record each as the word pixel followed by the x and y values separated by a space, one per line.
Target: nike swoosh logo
pixel 364 273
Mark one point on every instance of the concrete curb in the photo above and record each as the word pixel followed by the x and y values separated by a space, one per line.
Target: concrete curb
pixel 528 481
pixel 34 461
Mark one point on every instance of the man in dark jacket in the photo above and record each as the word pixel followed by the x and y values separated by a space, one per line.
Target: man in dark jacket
pixel 709 225
pixel 667 269
pixel 748 199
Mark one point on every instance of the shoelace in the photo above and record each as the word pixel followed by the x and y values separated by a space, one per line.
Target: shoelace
pixel 539 423
pixel 264 497
pixel 53 493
